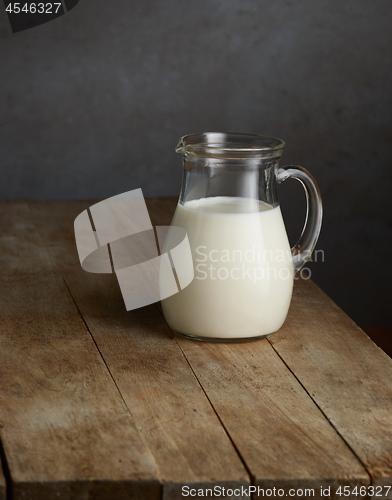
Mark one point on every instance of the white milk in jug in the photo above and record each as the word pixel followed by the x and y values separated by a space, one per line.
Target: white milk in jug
pixel 243 270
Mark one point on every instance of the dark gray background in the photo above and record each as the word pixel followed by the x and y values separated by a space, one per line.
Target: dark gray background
pixel 92 105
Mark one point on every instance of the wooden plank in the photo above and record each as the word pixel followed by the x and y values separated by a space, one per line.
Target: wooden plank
pixel 348 376
pixel 65 430
pixel 173 415
pixel 282 436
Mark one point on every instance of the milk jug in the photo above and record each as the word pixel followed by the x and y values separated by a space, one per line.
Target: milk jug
pixel 243 265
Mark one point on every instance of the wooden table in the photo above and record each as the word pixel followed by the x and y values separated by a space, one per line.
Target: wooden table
pixel 100 403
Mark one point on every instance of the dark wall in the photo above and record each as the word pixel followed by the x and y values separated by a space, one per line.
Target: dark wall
pixel 92 104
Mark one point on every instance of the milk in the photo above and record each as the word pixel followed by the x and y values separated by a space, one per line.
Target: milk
pixel 243 270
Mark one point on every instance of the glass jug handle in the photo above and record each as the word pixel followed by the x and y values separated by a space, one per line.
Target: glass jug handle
pixel 304 247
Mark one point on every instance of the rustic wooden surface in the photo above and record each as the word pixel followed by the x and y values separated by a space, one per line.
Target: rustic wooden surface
pixel 353 383
pixel 97 402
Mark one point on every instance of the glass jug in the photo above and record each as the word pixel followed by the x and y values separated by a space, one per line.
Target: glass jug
pixel 243 265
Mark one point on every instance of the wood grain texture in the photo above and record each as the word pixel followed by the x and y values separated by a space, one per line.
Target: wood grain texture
pixel 286 403
pixel 63 420
pixel 320 445
pixel 21 250
pixel 280 433
pixel 66 432
pixel 53 223
pixel 171 411
pixel 346 374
